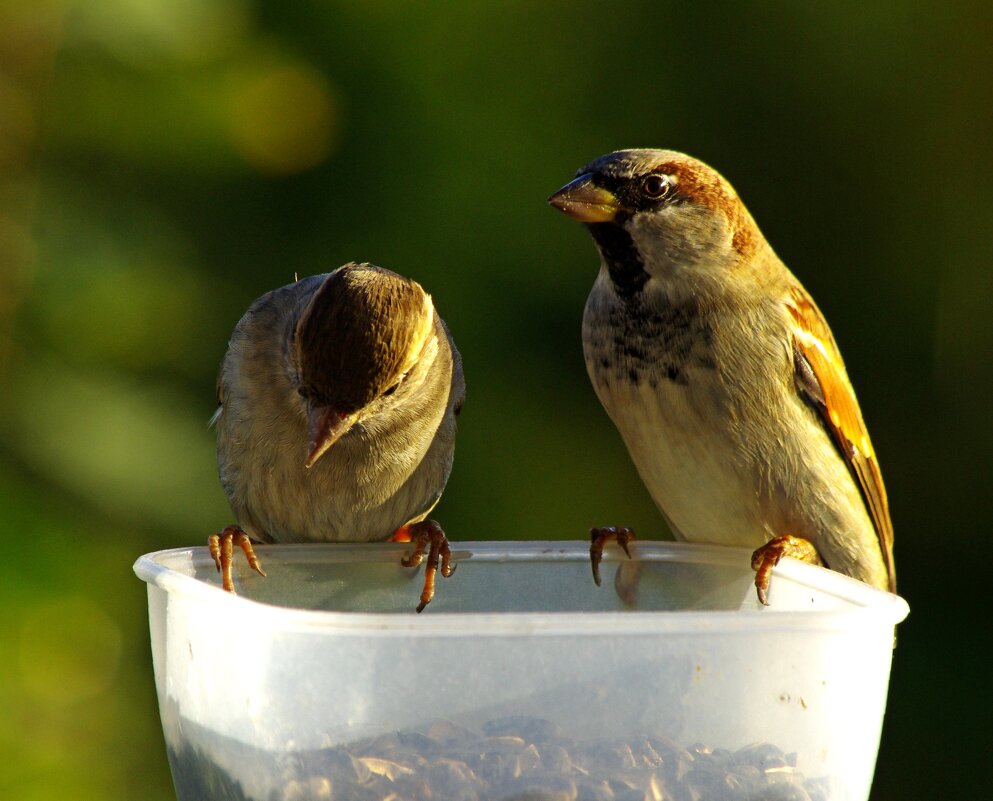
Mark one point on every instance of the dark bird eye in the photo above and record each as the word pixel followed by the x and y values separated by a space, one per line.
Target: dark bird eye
pixel 655 186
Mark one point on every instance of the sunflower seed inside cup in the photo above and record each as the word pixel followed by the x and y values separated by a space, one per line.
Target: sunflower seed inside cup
pixel 530 759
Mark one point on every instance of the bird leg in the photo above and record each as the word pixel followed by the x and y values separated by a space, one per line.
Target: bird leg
pixel 767 557
pixel 426 534
pixel 222 550
pixel 600 537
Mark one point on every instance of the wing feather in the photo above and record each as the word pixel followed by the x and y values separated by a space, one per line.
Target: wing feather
pixel 823 382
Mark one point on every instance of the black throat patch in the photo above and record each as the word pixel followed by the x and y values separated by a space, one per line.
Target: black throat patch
pixel 627 272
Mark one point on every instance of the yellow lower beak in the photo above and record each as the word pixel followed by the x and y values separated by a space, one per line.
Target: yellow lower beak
pixel 583 200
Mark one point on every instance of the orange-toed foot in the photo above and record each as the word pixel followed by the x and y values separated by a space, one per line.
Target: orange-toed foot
pixel 767 557
pixel 426 535
pixel 600 537
pixel 222 549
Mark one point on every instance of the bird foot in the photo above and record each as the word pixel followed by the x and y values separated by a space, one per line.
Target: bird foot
pixel 600 537
pixel 764 559
pixel 426 535
pixel 222 550
pixel 402 534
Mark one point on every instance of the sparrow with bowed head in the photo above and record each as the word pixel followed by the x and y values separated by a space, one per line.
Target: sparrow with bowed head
pixel 336 419
pixel 721 373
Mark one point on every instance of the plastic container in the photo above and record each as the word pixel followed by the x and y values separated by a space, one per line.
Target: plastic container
pixel 521 680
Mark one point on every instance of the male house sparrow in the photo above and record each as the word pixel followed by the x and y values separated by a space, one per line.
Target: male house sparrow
pixel 336 418
pixel 721 374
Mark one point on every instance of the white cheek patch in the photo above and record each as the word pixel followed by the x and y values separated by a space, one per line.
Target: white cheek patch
pixel 680 238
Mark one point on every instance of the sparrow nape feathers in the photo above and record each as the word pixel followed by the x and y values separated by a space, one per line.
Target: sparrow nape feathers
pixel 337 401
pixel 721 373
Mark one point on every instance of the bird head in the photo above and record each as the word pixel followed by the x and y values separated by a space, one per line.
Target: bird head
pixel 363 331
pixel 654 213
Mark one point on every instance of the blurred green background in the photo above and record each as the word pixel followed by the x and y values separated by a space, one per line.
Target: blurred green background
pixel 164 162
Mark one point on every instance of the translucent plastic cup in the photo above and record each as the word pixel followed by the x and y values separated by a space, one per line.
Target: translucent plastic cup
pixel 521 680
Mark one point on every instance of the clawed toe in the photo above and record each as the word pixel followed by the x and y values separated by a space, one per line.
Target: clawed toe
pixel 765 558
pixel 222 550
pixel 427 535
pixel 600 536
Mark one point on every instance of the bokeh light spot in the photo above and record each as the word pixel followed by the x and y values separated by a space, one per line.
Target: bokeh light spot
pixel 158 33
pixel 69 651
pixel 17 124
pixel 283 120
pixel 137 316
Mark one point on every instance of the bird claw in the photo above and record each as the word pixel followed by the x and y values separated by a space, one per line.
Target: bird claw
pixel 221 547
pixel 426 535
pixel 600 536
pixel 765 558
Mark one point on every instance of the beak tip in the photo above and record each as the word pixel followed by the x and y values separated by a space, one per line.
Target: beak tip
pixel 314 452
pixel 325 427
pixel 582 200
